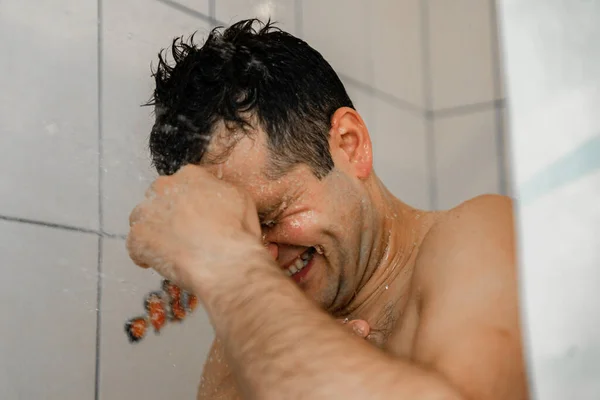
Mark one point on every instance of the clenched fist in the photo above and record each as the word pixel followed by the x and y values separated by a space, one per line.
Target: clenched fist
pixel 195 229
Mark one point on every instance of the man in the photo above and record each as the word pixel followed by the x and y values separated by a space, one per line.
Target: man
pixel 270 211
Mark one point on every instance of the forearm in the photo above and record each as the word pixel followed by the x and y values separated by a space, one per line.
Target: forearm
pixel 281 345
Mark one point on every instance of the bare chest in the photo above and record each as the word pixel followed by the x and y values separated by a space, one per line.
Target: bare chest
pixel 401 339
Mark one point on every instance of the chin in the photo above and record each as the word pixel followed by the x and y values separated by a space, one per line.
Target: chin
pixel 317 286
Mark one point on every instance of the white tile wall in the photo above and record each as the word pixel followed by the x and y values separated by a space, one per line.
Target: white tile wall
pixel 48 307
pixel 396 48
pixel 201 6
pixel 162 366
pixel 460 52
pixel 507 186
pixel 49 143
pixel 131 43
pixel 340 30
pixel 363 101
pixel 48 111
pixel 282 12
pixel 400 153
pixel 466 157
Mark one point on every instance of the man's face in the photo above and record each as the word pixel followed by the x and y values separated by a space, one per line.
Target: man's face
pixel 313 228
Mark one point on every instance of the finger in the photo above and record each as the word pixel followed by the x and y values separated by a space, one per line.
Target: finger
pixel 251 222
pixel 273 250
pixel 136 214
pixel 139 247
pixel 360 327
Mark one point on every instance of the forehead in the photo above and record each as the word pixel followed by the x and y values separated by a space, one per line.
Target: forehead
pixel 245 165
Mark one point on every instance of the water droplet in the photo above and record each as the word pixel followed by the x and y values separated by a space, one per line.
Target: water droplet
pixel 386 287
pixel 52 128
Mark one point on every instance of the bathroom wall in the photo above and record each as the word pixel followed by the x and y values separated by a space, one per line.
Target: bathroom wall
pixel 423 73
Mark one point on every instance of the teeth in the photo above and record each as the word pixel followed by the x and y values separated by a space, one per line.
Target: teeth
pixel 308 254
pixel 300 262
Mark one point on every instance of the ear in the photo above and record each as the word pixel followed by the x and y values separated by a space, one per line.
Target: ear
pixel 350 143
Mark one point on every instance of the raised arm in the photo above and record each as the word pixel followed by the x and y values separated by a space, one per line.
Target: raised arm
pixel 204 234
pixel 218 383
pixel 280 345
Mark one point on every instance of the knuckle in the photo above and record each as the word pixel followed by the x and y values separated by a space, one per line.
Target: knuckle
pixel 135 215
pixel 136 247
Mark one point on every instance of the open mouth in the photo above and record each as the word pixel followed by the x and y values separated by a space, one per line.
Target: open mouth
pixel 300 262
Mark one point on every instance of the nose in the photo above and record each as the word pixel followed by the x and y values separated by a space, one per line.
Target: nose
pixel 273 249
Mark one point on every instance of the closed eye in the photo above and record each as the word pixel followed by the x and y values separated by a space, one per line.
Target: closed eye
pixel 267 224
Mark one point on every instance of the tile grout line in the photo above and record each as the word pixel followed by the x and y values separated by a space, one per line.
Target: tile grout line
pixel 500 126
pixel 428 114
pixel 465 109
pixel 390 99
pixel 191 12
pixel 68 228
pixel 98 318
pixel 47 224
pixel 100 203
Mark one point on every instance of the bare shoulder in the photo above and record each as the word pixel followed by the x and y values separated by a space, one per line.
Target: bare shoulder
pixel 482 226
pixel 468 304
pixel 490 207
pixel 478 212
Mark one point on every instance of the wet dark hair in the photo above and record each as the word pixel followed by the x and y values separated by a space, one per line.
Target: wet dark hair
pixel 242 76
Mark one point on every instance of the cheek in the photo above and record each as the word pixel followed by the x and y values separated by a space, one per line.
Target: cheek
pixel 300 230
pixel 292 229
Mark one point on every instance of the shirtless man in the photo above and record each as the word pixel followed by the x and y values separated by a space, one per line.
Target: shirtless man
pixel 269 210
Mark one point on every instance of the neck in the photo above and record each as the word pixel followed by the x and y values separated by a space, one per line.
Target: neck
pixel 384 288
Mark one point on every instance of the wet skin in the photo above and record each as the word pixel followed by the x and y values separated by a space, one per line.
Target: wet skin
pixel 436 290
